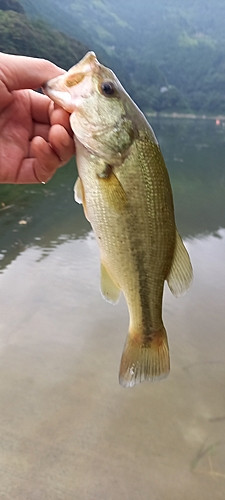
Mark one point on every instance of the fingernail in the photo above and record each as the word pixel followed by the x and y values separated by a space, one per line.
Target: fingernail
pixel 65 141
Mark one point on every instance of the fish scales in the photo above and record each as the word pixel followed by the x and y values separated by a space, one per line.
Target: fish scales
pixel 126 194
pixel 105 222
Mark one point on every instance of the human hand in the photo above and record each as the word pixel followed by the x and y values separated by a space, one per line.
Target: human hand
pixel 35 134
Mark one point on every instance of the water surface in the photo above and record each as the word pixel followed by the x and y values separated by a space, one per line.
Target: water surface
pixel 67 429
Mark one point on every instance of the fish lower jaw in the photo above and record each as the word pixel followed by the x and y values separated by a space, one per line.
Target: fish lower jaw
pixel 59 97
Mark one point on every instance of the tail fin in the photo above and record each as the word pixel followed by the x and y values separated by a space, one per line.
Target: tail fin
pixel 144 360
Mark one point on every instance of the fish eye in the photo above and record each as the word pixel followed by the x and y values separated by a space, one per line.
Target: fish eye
pixel 107 88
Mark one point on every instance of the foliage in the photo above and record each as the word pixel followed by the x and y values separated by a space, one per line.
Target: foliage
pixel 18 35
pixel 11 5
pixel 176 44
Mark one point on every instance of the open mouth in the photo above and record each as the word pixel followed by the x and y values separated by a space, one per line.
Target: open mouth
pixel 69 89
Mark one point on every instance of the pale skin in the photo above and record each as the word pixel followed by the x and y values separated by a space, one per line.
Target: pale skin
pixel 35 134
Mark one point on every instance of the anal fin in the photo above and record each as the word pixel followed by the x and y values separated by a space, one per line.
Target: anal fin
pixel 110 291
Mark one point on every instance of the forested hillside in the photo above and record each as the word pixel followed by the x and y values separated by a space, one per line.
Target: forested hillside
pixel 19 35
pixel 169 54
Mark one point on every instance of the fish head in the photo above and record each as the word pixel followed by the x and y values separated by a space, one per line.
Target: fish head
pixel 102 113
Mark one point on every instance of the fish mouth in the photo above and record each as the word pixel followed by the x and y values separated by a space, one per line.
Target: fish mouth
pixel 86 65
pixel 70 89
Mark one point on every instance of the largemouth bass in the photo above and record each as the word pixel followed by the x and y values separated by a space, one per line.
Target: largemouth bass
pixel 126 194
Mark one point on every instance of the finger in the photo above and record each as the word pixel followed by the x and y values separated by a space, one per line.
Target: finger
pixel 41 130
pixel 41 165
pixel 47 159
pixel 61 142
pixel 43 110
pixel 20 72
pixel 32 172
pixel 59 115
pixel 41 107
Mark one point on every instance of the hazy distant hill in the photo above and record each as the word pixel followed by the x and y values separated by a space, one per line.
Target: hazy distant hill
pixel 170 54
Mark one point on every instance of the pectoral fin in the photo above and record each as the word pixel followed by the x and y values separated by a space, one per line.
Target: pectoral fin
pixel 78 191
pixel 79 195
pixel 110 291
pixel 112 189
pixel 181 273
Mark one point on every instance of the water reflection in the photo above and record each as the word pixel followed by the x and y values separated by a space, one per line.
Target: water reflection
pixel 194 151
pixel 67 429
pixel 64 418
pixel 41 216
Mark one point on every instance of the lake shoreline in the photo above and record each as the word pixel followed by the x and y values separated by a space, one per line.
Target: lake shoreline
pixel 191 116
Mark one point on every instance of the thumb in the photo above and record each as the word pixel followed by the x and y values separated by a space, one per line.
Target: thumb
pixel 21 72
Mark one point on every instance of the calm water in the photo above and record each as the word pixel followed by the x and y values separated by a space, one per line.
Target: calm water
pixel 67 429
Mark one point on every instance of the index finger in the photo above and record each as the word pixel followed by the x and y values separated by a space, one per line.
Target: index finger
pixel 21 72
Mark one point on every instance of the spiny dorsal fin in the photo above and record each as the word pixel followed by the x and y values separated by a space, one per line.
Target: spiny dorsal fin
pixel 110 291
pixel 181 273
